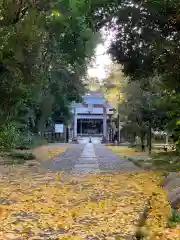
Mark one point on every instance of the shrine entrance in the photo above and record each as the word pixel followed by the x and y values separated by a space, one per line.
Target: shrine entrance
pixel 86 127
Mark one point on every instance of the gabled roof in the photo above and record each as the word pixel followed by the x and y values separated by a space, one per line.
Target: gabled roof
pixel 77 105
pixel 94 98
pixel 95 94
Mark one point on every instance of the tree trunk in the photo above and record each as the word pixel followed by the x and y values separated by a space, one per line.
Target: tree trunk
pixel 147 145
pixel 41 125
pixel 45 112
pixel 134 137
pixel 150 138
pixel 142 141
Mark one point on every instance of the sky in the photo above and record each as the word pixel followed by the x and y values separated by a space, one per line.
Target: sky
pixel 102 59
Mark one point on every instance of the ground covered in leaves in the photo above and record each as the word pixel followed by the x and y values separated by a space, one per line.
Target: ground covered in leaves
pixel 37 205
pixel 41 154
pixel 49 151
pixel 125 151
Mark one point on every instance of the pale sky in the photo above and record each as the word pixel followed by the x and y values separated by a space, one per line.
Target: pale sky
pixel 102 59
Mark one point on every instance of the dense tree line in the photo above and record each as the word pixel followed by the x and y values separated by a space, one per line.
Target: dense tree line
pixel 45 47
pixel 146 44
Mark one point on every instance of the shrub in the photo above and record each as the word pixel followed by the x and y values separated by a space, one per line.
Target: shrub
pixel 23 156
pixel 25 141
pixel 29 140
pixel 175 219
pixel 132 145
pixel 9 136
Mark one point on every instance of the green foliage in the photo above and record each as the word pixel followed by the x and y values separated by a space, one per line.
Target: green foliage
pixel 9 136
pixel 113 85
pixel 29 140
pixel 22 156
pixel 146 44
pixel 132 145
pixel 11 158
pixel 140 109
pixel 44 51
pixel 147 35
pixel 175 219
pixel 166 161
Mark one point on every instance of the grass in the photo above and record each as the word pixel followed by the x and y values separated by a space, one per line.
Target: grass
pixel 127 151
pixel 24 155
pixel 13 157
pixel 175 219
pixel 165 161
pixel 40 154
pixel 169 161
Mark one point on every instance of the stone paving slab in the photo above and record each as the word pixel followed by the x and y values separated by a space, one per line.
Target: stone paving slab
pixel 90 158
pixel 109 161
pixel 84 165
pixel 85 171
pixel 66 161
pixel 81 161
pixel 88 162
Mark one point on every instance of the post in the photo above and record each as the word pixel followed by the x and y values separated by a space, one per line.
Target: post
pixel 67 134
pixel 81 127
pixel 104 124
pixel 75 125
pixel 110 134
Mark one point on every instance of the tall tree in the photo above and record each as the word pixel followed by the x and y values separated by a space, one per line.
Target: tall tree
pixel 142 110
pixel 44 51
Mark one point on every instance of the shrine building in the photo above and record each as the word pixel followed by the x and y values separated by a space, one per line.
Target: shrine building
pixel 92 117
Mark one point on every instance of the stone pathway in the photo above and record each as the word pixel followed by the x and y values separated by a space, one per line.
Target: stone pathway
pixel 89 158
pixel 67 160
pixel 110 162
pixel 88 162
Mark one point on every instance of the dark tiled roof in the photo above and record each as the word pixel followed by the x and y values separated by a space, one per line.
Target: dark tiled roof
pixel 94 100
pixel 95 94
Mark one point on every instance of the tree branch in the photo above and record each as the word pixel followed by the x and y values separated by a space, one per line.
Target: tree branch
pixel 22 9
pixel 19 15
pixel 18 11
pixel 104 21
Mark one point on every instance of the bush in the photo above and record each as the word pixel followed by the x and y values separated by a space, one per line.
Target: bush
pixel 29 140
pixel 132 145
pixel 175 219
pixel 38 141
pixel 9 136
pixel 25 141
pixel 9 158
pixel 23 156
